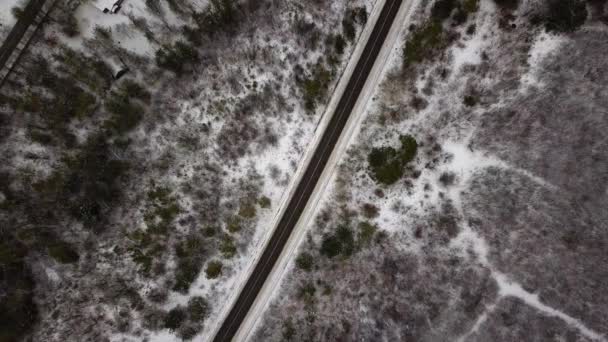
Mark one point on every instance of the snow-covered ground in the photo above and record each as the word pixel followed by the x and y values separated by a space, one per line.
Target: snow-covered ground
pixel 379 292
pixel 7 19
pixel 222 143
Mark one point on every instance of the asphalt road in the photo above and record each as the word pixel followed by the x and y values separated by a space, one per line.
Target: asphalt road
pixel 309 180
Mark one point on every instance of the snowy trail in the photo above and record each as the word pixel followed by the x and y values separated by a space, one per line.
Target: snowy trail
pixel 469 238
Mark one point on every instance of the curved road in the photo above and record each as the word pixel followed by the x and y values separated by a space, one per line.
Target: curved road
pixel 309 180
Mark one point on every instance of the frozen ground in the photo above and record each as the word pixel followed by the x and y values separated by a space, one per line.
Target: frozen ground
pixel 497 229
pixel 136 212
pixel 7 19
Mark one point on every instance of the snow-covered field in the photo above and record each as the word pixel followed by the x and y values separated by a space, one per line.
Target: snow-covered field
pixel 446 255
pixel 7 19
pixel 210 158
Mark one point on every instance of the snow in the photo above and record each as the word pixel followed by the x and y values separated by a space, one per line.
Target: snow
pixel 469 53
pixel 544 45
pixel 123 32
pixel 7 20
pixel 52 275
pixel 104 4
pixel 507 287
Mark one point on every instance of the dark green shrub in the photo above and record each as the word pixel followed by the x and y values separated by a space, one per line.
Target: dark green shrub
pixel 423 43
pixel 264 202
pixel 233 224
pixel 247 209
pixel 360 15
pixel 135 90
pixel 387 164
pixel 366 233
pixel 565 15
pixel 186 273
pixel 339 45
pixel 409 147
pixel 442 9
pixel 63 252
pixel 126 115
pixel 305 261
pixel 209 231
pixel 227 247
pixel 386 167
pixel 198 309
pixel 345 236
pixel 18 312
pixel 214 269
pixel 469 100
pixel 307 291
pixel 348 28
pixel 288 330
pixel 69 26
pixel 315 86
pixel 175 318
pixel 507 4
pixel 93 177
pixel 341 242
pixel 175 58
pixel 17 12
pixel 331 246
pixel 155 7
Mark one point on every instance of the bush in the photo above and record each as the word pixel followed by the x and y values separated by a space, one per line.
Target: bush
pixel 507 4
pixel 247 209
pixel 409 147
pixel 366 233
pixel 214 269
pixel 126 115
pixel 174 318
pixel 227 247
pixel 369 210
pixel 135 90
pixel 360 15
pixel 198 309
pixel 209 231
pixel 442 9
pixel 348 28
pixel 423 43
pixel 70 26
pixel 288 330
pixel 305 261
pixel 345 236
pixel 264 202
pixel 342 242
pixel 565 15
pixel 331 246
pixel 470 6
pixel 447 178
pixel 175 58
pixel 18 312
pixel 307 291
pixel 314 87
pixel 470 100
pixel 387 164
pixel 17 12
pixel 93 177
pixel 339 45
pixel 233 224
pixel 63 252
pixel 186 273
